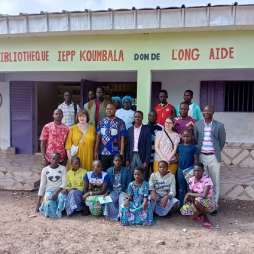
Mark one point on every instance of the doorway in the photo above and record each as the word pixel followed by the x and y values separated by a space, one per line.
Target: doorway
pixel 49 96
pixel 118 89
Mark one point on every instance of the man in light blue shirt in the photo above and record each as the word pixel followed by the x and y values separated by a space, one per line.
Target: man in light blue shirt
pixel 194 109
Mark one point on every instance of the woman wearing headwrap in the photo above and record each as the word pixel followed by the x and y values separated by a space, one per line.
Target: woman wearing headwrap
pixel 126 113
pixel 116 101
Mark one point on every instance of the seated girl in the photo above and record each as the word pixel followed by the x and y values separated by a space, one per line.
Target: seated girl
pixel 74 187
pixel 119 179
pixel 95 188
pixel 53 180
pixel 137 209
pixel 163 190
pixel 199 201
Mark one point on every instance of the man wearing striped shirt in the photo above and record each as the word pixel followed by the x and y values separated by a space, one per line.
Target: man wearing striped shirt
pixel 69 108
pixel 210 136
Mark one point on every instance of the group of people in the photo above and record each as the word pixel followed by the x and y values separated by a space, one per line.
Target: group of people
pixel 102 159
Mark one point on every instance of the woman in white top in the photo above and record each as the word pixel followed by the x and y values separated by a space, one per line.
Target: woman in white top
pixel 126 113
pixel 166 142
pixel 53 181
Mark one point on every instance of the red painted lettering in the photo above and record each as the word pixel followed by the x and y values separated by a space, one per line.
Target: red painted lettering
pixel 173 55
pixel 187 54
pixel 221 53
pixel 224 53
pixel 231 52
pixel 211 55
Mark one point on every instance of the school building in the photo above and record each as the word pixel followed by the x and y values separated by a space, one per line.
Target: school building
pixel 207 49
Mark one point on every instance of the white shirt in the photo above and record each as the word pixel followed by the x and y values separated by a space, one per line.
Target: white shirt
pixel 136 137
pixel 163 185
pixel 52 179
pixel 127 116
pixel 68 113
pixel 207 144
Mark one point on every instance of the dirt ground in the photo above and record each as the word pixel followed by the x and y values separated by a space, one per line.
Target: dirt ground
pixel 23 231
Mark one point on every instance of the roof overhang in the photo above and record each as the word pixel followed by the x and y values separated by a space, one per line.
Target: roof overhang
pixel 204 18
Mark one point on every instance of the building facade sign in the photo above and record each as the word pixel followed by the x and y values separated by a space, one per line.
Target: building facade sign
pixel 163 51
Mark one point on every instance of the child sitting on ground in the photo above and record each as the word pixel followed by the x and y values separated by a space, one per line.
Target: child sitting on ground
pixel 95 187
pixel 199 201
pixel 50 197
pixel 137 209
pixel 74 187
pixel 163 190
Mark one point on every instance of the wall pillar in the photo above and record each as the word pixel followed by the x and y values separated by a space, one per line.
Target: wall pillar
pixel 5 128
pixel 144 84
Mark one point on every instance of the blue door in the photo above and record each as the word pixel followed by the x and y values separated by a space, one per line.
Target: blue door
pixel 22 100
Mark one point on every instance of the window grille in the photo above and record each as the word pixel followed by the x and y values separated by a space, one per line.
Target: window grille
pixel 228 96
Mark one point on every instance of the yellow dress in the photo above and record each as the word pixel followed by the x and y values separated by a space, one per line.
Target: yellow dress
pixel 85 147
pixel 75 179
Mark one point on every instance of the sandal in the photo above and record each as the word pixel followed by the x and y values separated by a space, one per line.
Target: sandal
pixel 207 225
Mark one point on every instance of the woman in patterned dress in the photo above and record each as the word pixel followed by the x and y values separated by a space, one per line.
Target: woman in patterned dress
pixel 137 209
pixel 95 188
pixel 166 142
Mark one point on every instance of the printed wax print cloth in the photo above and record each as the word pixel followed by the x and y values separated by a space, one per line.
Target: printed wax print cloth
pixel 111 132
pixel 95 182
pixel 55 136
pixel 132 213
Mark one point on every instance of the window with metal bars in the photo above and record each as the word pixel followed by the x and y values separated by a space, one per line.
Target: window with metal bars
pixel 228 96
pixel 239 96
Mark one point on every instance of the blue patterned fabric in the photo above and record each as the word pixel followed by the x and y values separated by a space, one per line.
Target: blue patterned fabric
pixel 96 181
pixel 111 210
pixel 133 213
pixel 53 208
pixel 111 131
pixel 74 202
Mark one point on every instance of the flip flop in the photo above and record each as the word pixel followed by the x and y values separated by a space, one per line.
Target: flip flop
pixel 207 225
pixel 198 219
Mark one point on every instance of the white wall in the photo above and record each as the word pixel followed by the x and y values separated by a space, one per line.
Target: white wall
pixel 5 116
pixel 239 126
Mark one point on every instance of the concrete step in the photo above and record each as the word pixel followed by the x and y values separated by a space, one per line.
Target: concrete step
pixel 22 172
pixel 19 172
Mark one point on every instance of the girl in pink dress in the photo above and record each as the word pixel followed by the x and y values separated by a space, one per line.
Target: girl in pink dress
pixel 199 201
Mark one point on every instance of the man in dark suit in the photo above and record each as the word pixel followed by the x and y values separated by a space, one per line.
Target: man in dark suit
pixel 139 145
pixel 211 137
